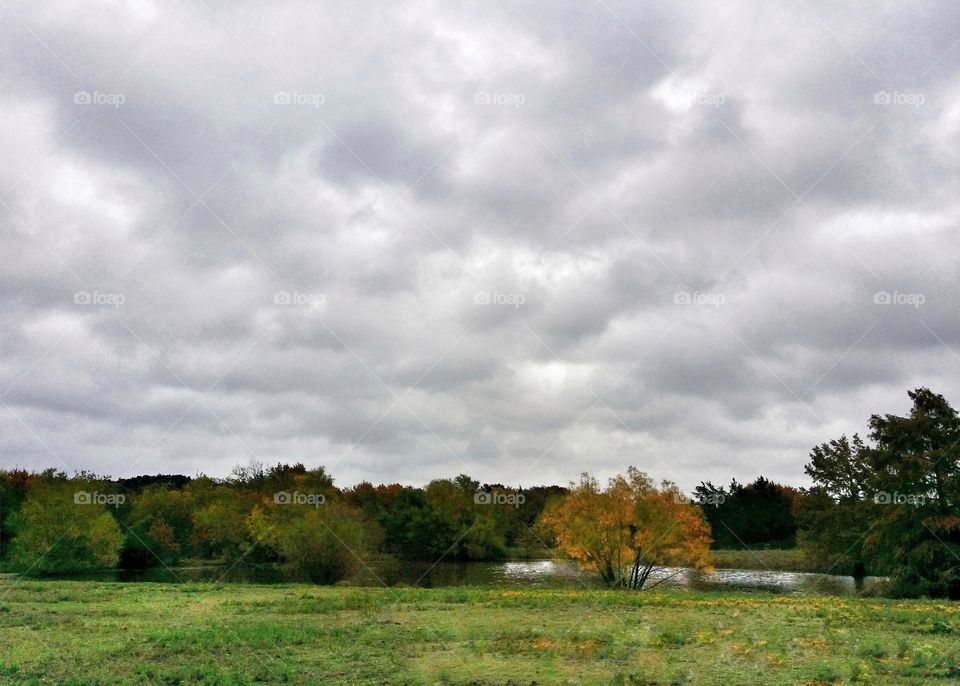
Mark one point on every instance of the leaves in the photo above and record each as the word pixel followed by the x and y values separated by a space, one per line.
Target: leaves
pixel 892 507
pixel 629 528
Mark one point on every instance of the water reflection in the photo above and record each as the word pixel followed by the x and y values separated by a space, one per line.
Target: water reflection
pixel 515 573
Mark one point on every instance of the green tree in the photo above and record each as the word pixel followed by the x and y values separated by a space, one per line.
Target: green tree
pixel 159 527
pixel 14 486
pixel 321 543
pixel 916 465
pixel 61 528
pixel 892 507
pixel 476 529
pixel 413 529
pixel 760 513
pixel 220 519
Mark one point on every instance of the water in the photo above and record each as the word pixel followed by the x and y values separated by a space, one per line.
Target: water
pixel 562 574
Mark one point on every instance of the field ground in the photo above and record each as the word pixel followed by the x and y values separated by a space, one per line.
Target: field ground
pixel 82 633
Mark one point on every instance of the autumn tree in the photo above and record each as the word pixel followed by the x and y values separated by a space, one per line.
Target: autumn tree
pixel 628 529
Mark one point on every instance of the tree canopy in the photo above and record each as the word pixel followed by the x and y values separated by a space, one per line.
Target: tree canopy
pixel 892 506
pixel 629 528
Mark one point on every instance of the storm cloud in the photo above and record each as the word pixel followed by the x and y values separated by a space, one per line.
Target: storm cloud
pixel 518 240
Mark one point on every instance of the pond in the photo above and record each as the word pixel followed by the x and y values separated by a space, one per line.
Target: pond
pixel 563 574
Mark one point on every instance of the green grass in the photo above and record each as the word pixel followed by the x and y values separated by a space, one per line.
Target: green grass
pixel 84 633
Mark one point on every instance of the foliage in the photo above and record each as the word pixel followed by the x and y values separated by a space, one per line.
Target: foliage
pixel 54 533
pixel 320 544
pixel 412 528
pixel 159 527
pixel 475 530
pixel 894 506
pixel 761 512
pixel 166 519
pixel 629 528
pixel 220 521
pixel 15 484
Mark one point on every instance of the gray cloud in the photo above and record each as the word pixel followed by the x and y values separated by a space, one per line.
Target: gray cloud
pixel 519 241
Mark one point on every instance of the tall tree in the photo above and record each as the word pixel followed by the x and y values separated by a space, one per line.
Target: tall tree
pixel 892 507
pixel 917 475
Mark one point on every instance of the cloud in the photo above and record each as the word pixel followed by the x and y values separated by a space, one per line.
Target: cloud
pixel 519 242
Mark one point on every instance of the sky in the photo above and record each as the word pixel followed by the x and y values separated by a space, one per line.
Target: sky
pixel 407 240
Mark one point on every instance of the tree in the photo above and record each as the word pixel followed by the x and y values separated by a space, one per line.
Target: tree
pixel 60 528
pixel 916 465
pixel 535 499
pixel 220 522
pixel 138 484
pixel 413 530
pixel 474 529
pixel 284 477
pixel 842 469
pixel 321 543
pixel 837 512
pixel 159 527
pixel 758 513
pixel 14 487
pixel 628 529
pixel 893 506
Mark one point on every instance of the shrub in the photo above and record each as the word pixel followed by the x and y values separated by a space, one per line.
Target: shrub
pixel 56 534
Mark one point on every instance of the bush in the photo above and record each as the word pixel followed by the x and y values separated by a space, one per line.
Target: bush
pixel 159 528
pixel 56 534
pixel 317 544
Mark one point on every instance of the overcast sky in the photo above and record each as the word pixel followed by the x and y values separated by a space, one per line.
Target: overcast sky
pixel 519 240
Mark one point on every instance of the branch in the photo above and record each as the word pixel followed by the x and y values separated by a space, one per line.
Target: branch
pixel 666 578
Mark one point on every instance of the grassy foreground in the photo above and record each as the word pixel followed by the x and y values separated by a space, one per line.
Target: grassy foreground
pixel 55 632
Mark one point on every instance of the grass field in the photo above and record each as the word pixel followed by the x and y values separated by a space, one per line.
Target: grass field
pixel 55 632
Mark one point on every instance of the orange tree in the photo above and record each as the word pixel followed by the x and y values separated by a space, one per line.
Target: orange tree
pixel 629 528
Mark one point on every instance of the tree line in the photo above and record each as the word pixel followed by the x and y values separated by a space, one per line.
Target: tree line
pixel 290 515
pixel 885 506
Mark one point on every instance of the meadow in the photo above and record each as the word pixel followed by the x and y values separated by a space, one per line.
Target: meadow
pixel 86 633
